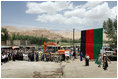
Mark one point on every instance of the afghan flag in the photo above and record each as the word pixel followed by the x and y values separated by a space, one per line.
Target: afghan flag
pixel 91 42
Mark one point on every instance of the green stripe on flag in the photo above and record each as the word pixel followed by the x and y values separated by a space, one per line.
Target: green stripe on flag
pixel 98 39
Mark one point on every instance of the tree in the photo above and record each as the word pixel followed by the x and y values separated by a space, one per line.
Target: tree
pixel 64 40
pixel 77 40
pixel 4 35
pixel 110 29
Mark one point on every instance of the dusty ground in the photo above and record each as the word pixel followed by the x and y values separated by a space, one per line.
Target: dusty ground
pixel 73 69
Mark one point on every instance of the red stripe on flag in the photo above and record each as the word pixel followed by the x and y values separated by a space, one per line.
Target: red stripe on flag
pixel 90 43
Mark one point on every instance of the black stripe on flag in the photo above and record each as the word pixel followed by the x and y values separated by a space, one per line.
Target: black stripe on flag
pixel 83 42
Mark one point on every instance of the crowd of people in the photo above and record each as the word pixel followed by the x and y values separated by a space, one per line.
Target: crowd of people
pixel 34 55
pixel 7 56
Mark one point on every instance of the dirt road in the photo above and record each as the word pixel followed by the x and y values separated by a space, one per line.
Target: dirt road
pixel 73 69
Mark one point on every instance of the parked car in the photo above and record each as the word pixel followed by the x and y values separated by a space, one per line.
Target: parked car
pixel 111 55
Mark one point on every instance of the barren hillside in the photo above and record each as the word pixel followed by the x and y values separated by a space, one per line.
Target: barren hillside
pixel 69 35
pixel 34 32
pixel 57 35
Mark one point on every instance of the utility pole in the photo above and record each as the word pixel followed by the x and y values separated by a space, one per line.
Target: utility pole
pixel 73 41
pixel 73 37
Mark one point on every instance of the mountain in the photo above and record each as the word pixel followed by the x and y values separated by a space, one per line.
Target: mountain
pixel 69 34
pixel 57 35
pixel 33 32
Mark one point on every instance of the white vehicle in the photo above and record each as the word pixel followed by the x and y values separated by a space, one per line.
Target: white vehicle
pixel 109 53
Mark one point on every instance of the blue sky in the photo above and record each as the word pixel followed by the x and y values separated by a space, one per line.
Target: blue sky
pixel 57 15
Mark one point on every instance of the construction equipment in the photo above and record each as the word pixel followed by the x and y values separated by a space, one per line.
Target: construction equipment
pixel 48 54
pixel 54 52
pixel 48 44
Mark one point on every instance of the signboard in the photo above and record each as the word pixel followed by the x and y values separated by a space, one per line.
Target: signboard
pixel 67 53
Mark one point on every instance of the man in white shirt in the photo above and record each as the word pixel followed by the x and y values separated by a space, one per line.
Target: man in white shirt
pixel 102 51
pixel 3 58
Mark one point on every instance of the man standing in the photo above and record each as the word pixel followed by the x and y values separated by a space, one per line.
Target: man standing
pixel 73 54
pixel 67 54
pixel 81 55
pixel 86 60
pixel 32 56
pixel 3 58
pixel 14 57
pixel 10 56
pixel 105 62
pixel 37 56
pixel 99 60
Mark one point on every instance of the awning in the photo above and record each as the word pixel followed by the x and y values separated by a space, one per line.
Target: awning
pixel 6 47
pixel 15 47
